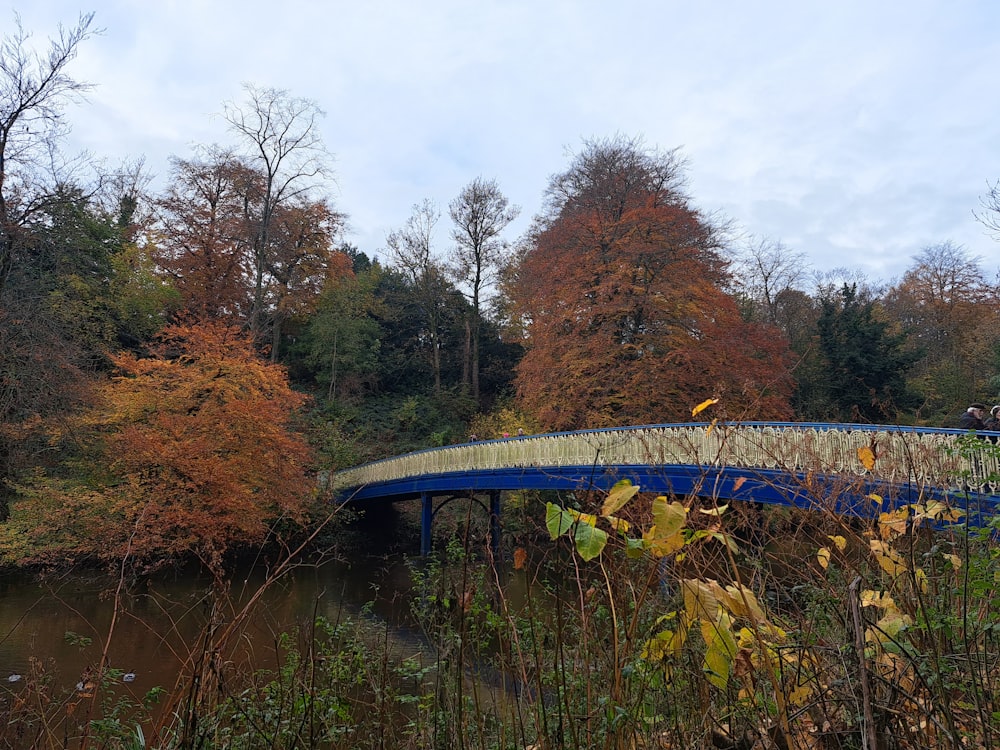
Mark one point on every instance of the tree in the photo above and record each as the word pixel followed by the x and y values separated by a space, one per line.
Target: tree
pixel 204 234
pixel 950 314
pixel 34 89
pixel 620 290
pixel 190 453
pixel 765 270
pixel 866 364
pixel 343 333
pixel 479 213
pixel 410 251
pixel 283 139
pixel 989 210
pixel 303 261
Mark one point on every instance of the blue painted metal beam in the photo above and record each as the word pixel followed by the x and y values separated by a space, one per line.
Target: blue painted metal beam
pixel 833 493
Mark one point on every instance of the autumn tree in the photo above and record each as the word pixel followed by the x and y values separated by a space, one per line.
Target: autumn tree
pixel 479 215
pixel 203 240
pixel 281 137
pixel 949 311
pixel 303 261
pixel 620 290
pixel 190 453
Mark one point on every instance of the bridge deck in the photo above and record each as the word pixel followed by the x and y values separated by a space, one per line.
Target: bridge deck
pixel 811 465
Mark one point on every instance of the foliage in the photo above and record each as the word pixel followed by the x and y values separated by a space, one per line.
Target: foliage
pixel 866 363
pixel 627 321
pixel 195 455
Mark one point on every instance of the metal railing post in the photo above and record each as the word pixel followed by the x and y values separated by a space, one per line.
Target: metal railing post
pixel 426 516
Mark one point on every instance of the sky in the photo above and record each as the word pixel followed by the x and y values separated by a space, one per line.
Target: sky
pixel 857 133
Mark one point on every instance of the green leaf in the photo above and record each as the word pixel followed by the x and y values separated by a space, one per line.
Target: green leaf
pixel 635 548
pixel 668 518
pixel 557 520
pixel 590 540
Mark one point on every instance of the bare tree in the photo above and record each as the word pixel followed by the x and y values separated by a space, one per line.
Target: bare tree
pixel 410 252
pixel 989 212
pixel 480 213
pixel 34 89
pixel 282 135
pixel 764 270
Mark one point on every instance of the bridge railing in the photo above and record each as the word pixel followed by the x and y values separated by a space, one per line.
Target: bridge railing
pixel 901 454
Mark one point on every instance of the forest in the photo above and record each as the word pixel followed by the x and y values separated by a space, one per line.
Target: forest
pixel 177 364
pixel 183 356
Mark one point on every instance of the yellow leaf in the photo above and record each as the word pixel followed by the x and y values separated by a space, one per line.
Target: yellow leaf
pixel 867 457
pixel 620 494
pixel 840 541
pixel 703 405
pixel 877 499
pixel 824 557
pixel 716 511
pixel 618 524
pixel 888 559
pixel 955 560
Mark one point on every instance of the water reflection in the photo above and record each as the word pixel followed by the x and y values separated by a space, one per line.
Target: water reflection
pixel 61 626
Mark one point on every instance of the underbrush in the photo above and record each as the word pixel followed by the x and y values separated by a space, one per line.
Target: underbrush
pixel 636 622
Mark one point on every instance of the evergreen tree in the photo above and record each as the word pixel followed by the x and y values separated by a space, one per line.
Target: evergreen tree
pixel 866 363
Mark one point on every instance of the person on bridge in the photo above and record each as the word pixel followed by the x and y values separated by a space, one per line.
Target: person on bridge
pixel 972 419
pixel 992 422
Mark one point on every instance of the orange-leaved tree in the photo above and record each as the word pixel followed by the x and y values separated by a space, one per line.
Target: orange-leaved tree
pixel 200 436
pixel 192 454
pixel 620 291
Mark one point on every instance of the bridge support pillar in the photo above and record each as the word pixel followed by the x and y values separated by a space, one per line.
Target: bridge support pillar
pixel 495 529
pixel 426 517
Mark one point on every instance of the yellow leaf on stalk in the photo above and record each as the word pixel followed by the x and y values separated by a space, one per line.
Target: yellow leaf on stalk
pixel 703 405
pixel 840 541
pixel 955 560
pixel 921 577
pixel 888 559
pixel 620 494
pixel 668 517
pixel 824 557
pixel 867 457
pixel 879 599
pixel 716 511
pixel 877 499
pixel 619 524
pixel 588 518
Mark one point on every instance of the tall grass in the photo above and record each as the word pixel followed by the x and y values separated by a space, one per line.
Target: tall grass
pixel 621 621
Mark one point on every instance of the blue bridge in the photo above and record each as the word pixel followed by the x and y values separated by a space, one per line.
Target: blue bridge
pixel 851 469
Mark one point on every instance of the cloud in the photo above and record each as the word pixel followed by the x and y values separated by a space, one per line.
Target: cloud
pixel 855 132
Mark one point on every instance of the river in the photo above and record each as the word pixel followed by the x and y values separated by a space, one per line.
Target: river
pixel 59 626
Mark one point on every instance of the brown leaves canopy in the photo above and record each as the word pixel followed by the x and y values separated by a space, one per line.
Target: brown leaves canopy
pixel 193 454
pixel 626 320
pixel 199 437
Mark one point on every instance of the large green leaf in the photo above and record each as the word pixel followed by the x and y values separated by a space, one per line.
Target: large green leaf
pixel 557 520
pixel 668 518
pixel 590 540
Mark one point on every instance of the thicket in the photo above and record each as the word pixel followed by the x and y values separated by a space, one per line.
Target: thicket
pixel 618 621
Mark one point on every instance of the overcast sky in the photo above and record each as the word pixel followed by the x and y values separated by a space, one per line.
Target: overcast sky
pixel 856 132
